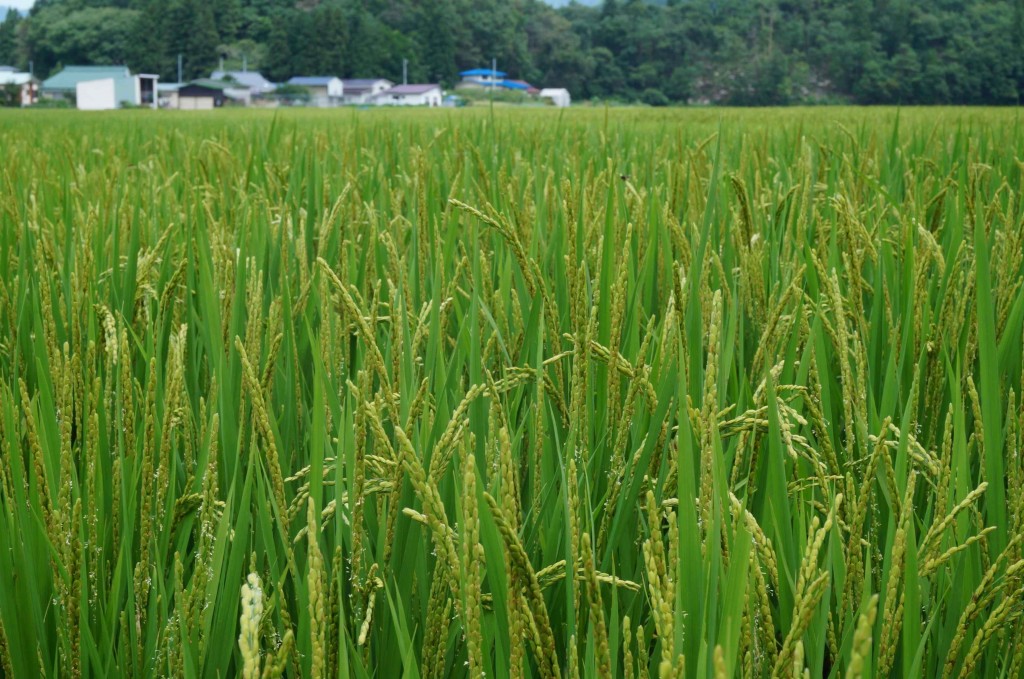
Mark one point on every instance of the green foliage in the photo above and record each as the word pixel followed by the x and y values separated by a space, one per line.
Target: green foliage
pixel 625 392
pixel 738 52
pixel 9 49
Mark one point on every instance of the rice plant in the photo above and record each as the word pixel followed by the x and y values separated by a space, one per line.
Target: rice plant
pixel 512 394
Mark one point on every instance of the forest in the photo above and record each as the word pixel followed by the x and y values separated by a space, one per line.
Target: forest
pixel 731 52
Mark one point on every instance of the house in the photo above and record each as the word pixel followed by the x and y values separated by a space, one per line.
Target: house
pixel 557 96
pixel 25 86
pixel 203 95
pixel 363 90
pixel 107 94
pixel 410 95
pixel 323 90
pixel 253 81
pixel 480 77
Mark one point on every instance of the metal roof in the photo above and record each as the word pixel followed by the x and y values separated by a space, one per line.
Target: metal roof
pixel 12 78
pixel 312 80
pixel 70 76
pixel 483 71
pixel 411 89
pixel 360 85
pixel 254 80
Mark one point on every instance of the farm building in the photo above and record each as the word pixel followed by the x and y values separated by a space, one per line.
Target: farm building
pixel 557 96
pixel 97 88
pixel 324 91
pixel 65 82
pixel 203 95
pixel 22 87
pixel 410 95
pixel 107 94
pixel 256 84
pixel 363 90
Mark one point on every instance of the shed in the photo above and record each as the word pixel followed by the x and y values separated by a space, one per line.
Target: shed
pixel 106 94
pixel 202 95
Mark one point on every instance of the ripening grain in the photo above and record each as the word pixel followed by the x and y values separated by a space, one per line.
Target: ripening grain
pixel 522 394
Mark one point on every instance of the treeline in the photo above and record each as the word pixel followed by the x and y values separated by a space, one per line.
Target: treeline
pixel 742 52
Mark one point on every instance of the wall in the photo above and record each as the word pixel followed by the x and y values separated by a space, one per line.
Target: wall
pixel 96 95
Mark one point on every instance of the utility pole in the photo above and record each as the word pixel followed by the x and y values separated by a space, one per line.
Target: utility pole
pixel 494 77
pixel 405 71
pixel 180 68
pixel 245 63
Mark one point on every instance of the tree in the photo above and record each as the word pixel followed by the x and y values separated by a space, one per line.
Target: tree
pixel 438 46
pixel 192 34
pixel 9 38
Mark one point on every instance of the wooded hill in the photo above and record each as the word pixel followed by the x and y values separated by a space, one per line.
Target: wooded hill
pixel 744 52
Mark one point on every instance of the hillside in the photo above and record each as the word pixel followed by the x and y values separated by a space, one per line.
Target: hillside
pixel 737 52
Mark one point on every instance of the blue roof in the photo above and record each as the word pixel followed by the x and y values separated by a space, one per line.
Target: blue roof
pixel 512 85
pixel 312 81
pixel 483 71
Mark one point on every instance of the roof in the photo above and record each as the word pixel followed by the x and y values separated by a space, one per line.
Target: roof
pixel 12 78
pixel 313 80
pixel 7 69
pixel 514 85
pixel 412 89
pixel 68 78
pixel 483 71
pixel 169 87
pixel 254 80
pixel 214 84
pixel 359 85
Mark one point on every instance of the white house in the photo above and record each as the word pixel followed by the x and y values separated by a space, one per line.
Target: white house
pixel 363 90
pixel 254 81
pixel 558 96
pixel 26 84
pixel 107 94
pixel 410 95
pixel 324 91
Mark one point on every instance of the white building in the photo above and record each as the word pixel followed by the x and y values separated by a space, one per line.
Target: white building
pixel 410 95
pixel 107 94
pixel 324 91
pixel 28 86
pixel 363 90
pixel 558 96
pixel 251 85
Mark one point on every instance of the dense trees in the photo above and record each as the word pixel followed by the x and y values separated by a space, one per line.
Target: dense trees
pixel 744 52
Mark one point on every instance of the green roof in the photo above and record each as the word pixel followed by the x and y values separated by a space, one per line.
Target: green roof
pixel 215 84
pixel 70 76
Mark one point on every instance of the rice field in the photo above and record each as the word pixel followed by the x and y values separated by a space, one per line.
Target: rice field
pixel 620 393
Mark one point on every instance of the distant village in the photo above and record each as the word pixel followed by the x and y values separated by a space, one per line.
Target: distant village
pixel 103 88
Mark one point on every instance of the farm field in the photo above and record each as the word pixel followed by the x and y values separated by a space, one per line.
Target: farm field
pixel 632 393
